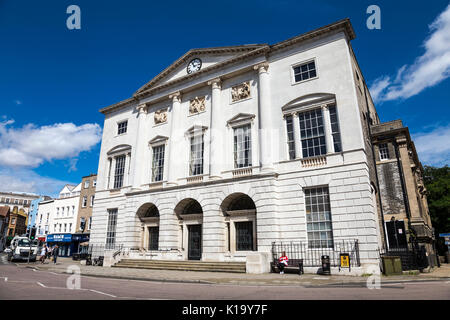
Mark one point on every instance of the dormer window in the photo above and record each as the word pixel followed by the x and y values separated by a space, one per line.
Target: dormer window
pixel 122 127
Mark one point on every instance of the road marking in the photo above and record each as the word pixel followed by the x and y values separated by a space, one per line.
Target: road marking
pixel 106 294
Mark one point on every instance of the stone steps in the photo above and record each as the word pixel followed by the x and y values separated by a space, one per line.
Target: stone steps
pixel 209 266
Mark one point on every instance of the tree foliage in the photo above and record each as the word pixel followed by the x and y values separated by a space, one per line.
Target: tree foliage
pixel 437 183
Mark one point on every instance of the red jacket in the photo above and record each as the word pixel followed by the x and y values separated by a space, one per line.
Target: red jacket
pixel 284 259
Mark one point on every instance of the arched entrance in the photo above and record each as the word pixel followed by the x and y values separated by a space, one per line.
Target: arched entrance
pixel 240 220
pixel 148 214
pixel 190 215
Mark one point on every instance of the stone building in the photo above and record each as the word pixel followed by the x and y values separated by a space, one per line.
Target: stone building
pixel 17 225
pixel 4 222
pixel 16 199
pixel 403 194
pixel 231 149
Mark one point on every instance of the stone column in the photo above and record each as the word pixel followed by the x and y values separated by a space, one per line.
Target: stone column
pixel 297 138
pixel 266 131
pixel 327 127
pixel 139 146
pixel 174 139
pixel 216 139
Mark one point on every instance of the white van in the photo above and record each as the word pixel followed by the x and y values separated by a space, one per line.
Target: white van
pixel 21 248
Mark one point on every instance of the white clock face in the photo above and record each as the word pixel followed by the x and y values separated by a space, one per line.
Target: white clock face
pixel 194 65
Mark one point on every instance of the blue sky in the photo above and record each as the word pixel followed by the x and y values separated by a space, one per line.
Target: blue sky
pixel 54 80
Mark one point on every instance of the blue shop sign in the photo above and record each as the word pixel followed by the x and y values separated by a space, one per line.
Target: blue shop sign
pixel 80 237
pixel 59 237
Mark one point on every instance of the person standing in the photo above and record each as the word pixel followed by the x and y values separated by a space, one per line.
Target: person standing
pixel 43 253
pixel 282 262
pixel 55 252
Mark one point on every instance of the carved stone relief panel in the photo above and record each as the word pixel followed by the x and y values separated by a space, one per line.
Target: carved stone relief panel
pixel 240 92
pixel 196 105
pixel 160 116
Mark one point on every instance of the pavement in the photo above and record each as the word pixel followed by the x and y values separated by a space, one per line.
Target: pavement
pixel 66 265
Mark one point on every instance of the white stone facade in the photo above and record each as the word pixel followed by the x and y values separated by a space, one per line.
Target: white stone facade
pixel 275 182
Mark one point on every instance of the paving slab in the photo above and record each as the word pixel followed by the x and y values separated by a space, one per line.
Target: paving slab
pixel 65 265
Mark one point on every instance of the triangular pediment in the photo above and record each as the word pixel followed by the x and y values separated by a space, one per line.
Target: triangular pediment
pixel 209 57
pixel 195 130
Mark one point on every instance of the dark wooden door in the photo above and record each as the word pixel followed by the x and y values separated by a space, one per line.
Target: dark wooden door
pixel 195 242
pixel 153 238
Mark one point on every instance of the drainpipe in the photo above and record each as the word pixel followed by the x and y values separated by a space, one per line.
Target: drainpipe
pixel 375 166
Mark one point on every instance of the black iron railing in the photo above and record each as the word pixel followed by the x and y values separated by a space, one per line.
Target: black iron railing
pixel 312 257
pixel 413 257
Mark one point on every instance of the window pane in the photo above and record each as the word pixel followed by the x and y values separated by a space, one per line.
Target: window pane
pixel 119 171
pixel 318 219
pixel 158 163
pixel 305 71
pixel 244 235
pixel 242 147
pixel 312 133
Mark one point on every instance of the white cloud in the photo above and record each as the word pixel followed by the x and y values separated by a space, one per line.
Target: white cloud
pixel 427 70
pixel 31 146
pixel 26 180
pixel 434 147
pixel 18 102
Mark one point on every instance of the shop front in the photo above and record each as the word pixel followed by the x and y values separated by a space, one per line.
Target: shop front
pixel 64 242
pixel 77 240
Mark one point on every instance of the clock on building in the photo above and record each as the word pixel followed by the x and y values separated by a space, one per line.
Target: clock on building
pixel 194 65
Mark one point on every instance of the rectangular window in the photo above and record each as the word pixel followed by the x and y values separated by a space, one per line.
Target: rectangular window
pixel 122 127
pixel 82 223
pixel 153 238
pixel 94 183
pixel 312 133
pixel 318 218
pixel 86 184
pixel 335 129
pixel 158 163
pixel 196 161
pixel 92 201
pixel 84 204
pixel 90 223
pixel 118 173
pixel 290 137
pixel 13 221
pixel 305 71
pixel 65 227
pixel 111 231
pixel 384 151
pixel 244 236
pixel 242 147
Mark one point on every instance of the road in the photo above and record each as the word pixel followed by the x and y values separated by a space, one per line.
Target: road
pixel 18 282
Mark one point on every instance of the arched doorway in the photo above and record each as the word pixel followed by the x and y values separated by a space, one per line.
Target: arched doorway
pixel 240 220
pixel 190 215
pixel 148 214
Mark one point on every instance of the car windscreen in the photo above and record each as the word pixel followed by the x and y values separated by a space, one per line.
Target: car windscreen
pixel 24 243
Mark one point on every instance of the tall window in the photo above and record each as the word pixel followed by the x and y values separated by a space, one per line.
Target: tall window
pixel 305 71
pixel 158 163
pixel 318 218
pixel 335 129
pixel 242 147
pixel 196 161
pixel 84 204
pixel 86 184
pixel 82 223
pixel 111 231
pixel 90 223
pixel 92 201
pixel 384 151
pixel 312 133
pixel 244 236
pixel 290 136
pixel 122 127
pixel 119 171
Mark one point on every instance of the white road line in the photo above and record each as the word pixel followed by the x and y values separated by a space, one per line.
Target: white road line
pixel 106 294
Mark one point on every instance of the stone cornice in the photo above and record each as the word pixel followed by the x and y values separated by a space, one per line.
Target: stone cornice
pixel 249 51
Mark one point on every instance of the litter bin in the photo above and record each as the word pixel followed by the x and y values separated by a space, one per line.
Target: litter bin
pixel 326 267
pixel 392 265
pixel 300 267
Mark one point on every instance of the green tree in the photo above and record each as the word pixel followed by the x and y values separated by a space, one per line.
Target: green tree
pixel 437 183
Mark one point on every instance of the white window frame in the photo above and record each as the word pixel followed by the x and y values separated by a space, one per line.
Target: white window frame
pixel 314 59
